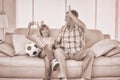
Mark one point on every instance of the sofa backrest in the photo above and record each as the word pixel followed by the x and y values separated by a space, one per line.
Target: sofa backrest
pixel 92 35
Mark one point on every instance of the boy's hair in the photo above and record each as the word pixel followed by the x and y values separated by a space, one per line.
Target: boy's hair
pixel 42 27
pixel 74 12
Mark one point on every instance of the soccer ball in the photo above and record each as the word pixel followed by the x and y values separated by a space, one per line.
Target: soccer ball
pixel 32 49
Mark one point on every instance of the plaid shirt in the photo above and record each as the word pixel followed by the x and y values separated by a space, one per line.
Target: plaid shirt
pixel 70 41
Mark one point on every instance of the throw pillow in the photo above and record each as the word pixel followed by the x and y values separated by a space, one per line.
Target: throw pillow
pixel 113 52
pixel 7 49
pixel 19 42
pixel 103 46
pixel 2 54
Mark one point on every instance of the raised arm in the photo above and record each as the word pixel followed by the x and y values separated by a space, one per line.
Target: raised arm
pixel 28 35
pixel 33 38
pixel 77 21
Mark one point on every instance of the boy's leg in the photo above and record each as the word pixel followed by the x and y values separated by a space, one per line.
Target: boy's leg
pixel 59 55
pixel 87 56
pixel 47 69
pixel 48 52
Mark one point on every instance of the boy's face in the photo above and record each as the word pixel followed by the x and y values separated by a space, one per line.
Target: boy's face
pixel 45 32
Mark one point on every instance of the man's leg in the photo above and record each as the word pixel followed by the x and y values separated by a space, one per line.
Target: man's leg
pixel 59 55
pixel 87 56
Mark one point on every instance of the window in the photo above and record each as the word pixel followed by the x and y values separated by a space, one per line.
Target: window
pixel 106 17
pixel 96 14
pixel 86 10
pixel 23 12
pixel 52 12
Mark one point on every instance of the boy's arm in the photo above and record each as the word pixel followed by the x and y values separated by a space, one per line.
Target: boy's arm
pixel 28 35
pixel 33 37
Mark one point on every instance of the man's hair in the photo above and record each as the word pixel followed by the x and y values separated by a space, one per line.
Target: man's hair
pixel 74 12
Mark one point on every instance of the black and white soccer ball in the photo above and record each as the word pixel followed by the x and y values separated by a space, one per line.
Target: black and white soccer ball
pixel 32 49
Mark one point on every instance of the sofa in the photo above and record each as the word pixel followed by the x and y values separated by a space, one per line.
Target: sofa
pixel 22 67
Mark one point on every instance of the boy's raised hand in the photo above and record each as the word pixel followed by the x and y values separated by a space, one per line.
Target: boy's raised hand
pixel 42 22
pixel 31 23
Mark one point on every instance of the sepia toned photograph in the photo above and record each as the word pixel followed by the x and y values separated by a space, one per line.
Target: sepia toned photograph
pixel 59 39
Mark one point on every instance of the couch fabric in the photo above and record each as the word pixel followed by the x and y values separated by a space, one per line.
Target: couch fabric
pixel 25 67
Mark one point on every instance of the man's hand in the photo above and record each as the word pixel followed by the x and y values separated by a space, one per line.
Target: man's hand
pixel 69 12
pixel 56 45
pixel 69 9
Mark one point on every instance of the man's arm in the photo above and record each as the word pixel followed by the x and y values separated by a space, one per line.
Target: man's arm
pixel 77 21
pixel 58 39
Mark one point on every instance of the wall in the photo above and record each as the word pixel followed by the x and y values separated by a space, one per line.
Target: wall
pixel 23 12
pixel 9 8
pixel 101 15
pixel 118 19
pixel 52 12
pixel 0 5
pixel 96 14
pixel 86 10
pixel 106 12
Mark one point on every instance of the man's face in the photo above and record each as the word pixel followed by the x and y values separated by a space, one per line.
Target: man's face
pixel 69 20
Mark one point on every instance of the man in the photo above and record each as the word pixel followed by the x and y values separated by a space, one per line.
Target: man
pixel 71 42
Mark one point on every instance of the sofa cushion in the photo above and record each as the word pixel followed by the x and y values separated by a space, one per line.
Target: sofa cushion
pixel 116 55
pixel 7 49
pixel 19 43
pixel 1 54
pixel 104 46
pixel 107 61
pixel 27 67
pixel 27 61
pixel 100 61
pixel 35 61
pixel 92 36
pixel 22 61
pixel 113 52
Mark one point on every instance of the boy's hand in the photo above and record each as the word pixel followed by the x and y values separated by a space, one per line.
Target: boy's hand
pixel 42 22
pixel 32 23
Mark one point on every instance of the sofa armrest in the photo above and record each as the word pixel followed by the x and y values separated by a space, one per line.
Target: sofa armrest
pixel 107 36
